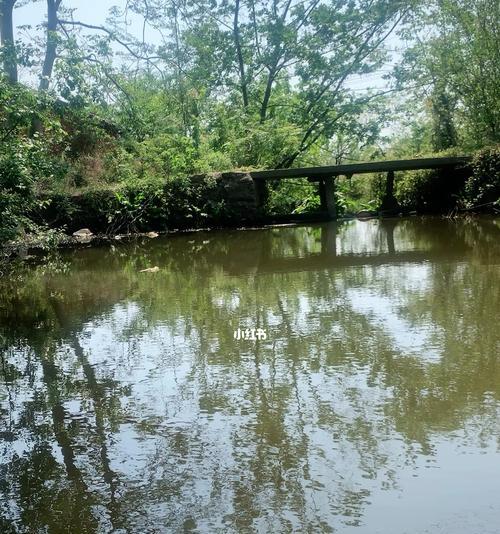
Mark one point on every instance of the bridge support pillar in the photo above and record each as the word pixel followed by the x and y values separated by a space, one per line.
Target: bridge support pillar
pixel 327 196
pixel 261 192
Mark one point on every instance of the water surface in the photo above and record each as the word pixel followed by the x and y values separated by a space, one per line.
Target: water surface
pixel 373 405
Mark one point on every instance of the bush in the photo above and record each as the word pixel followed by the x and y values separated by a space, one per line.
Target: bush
pixel 483 187
pixel 430 191
pixel 360 192
pixel 292 196
pixel 15 200
pixel 168 155
pixel 22 163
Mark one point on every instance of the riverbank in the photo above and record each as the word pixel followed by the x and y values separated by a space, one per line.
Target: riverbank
pixel 35 248
pixel 26 247
pixel 232 200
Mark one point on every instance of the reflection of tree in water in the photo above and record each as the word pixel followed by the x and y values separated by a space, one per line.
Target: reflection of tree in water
pixel 288 433
pixel 73 498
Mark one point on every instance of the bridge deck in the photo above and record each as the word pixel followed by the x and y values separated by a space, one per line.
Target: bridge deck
pixel 360 168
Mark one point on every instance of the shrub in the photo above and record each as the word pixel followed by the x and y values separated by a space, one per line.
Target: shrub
pixel 168 155
pixel 430 191
pixel 21 163
pixel 483 187
pixel 292 196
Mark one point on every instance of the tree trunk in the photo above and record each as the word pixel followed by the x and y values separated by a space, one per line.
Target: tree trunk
pixel 51 45
pixel 7 39
pixel 241 63
pixel 267 94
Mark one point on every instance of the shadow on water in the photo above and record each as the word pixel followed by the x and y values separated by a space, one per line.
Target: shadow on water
pixel 127 405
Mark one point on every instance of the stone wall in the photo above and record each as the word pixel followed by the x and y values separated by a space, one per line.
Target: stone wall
pixel 236 189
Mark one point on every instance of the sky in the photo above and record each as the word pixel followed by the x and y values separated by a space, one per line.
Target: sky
pixel 88 11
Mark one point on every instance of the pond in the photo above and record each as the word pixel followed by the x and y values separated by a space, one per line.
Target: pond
pixel 338 377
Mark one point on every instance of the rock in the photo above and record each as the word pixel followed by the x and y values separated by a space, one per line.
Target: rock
pixel 83 236
pixel 154 269
pixel 84 232
pixel 152 235
pixel 390 213
pixel 364 214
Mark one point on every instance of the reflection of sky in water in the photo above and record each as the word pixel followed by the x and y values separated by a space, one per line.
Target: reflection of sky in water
pixel 361 238
pixel 439 497
pixel 366 409
pixel 415 339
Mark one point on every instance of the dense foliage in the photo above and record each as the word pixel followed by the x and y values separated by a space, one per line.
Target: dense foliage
pixel 237 85
pixel 483 187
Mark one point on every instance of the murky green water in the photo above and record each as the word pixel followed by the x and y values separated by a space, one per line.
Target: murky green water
pixel 373 405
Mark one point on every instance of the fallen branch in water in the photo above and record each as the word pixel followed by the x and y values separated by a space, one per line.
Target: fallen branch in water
pixel 481 206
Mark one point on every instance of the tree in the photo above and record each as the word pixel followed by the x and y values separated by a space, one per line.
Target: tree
pixel 457 69
pixel 444 133
pixel 10 60
pixel 7 39
pixel 279 68
pixel 51 43
pixel 259 47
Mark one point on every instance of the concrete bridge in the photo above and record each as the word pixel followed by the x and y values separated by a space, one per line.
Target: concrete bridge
pixel 325 176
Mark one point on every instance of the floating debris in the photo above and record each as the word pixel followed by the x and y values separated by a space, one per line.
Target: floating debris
pixel 154 269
